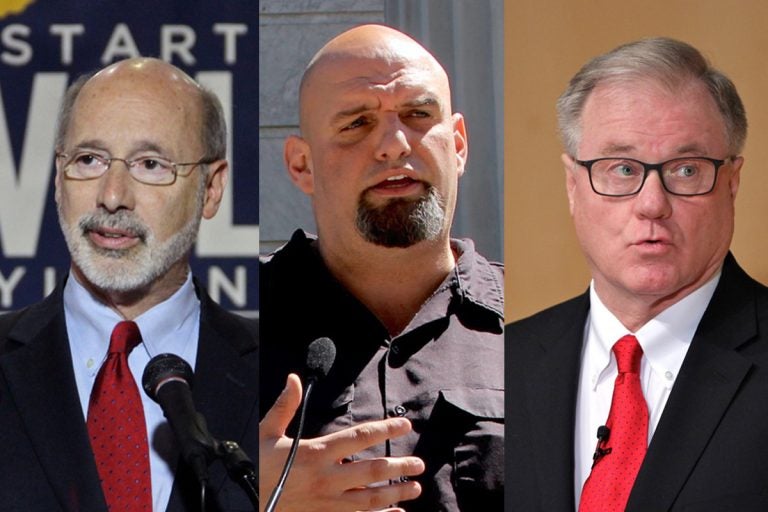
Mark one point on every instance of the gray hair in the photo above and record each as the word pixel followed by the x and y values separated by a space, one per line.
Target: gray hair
pixel 214 125
pixel 214 136
pixel 667 61
pixel 65 111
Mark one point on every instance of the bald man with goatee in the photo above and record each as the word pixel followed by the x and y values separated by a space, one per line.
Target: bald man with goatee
pixel 410 415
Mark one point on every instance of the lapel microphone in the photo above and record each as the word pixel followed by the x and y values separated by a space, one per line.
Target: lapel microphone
pixel 321 354
pixel 603 433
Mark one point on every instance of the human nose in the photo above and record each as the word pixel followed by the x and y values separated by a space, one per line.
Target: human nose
pixel 653 200
pixel 115 189
pixel 394 144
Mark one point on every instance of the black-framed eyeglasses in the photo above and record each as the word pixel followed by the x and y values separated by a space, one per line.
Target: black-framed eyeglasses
pixel 687 176
pixel 151 170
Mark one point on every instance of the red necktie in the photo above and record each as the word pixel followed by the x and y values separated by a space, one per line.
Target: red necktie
pixel 117 429
pixel 613 474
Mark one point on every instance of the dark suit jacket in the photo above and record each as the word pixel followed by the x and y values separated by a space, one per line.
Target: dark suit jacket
pixel 46 463
pixel 710 449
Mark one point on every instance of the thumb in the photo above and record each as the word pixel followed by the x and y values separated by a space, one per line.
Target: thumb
pixel 279 416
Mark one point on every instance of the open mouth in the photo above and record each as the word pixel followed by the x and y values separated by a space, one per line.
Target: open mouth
pixel 653 246
pixel 399 185
pixel 110 238
pixel 398 181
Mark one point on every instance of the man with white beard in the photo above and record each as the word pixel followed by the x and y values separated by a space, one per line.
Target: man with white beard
pixel 140 160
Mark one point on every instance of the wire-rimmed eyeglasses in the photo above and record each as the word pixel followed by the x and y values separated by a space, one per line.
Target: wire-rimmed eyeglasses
pixel 151 170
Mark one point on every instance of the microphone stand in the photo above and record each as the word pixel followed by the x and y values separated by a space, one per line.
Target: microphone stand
pixel 240 469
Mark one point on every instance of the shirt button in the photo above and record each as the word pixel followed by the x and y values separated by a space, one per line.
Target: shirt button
pixel 395 349
pixel 669 375
pixel 89 363
pixel 400 410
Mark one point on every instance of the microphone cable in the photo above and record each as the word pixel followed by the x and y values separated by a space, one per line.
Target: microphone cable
pixel 321 354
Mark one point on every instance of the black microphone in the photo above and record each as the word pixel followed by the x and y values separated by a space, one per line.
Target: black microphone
pixel 603 433
pixel 321 354
pixel 168 380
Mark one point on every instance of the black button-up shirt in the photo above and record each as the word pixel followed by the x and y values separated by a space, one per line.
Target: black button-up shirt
pixel 444 372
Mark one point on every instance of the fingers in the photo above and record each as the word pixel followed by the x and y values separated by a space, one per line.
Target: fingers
pixel 374 498
pixel 354 439
pixel 318 477
pixel 279 416
pixel 366 472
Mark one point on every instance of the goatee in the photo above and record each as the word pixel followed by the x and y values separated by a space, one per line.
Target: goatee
pixel 401 222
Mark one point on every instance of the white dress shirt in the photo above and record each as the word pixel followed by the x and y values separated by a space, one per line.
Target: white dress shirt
pixel 169 327
pixel 665 340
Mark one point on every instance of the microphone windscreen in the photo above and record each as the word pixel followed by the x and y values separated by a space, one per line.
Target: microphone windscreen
pixel 161 369
pixel 320 356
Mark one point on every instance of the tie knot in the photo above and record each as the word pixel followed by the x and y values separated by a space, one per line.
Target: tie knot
pixel 628 353
pixel 125 336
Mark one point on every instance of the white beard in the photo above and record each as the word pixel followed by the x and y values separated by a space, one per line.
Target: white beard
pixel 125 270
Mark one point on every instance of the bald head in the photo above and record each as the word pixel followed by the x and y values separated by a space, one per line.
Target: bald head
pixel 368 52
pixel 143 69
pixel 155 79
pixel 380 151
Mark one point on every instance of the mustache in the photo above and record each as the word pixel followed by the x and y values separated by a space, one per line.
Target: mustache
pixel 122 220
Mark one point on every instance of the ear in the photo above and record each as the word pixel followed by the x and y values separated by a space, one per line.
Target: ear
pixel 216 181
pixel 460 141
pixel 570 179
pixel 735 178
pixel 298 163
pixel 57 179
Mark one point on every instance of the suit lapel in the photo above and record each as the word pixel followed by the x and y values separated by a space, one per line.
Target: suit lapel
pixel 709 379
pixel 551 390
pixel 42 386
pixel 228 398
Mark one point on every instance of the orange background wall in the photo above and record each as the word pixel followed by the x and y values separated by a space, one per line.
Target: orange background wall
pixel 546 42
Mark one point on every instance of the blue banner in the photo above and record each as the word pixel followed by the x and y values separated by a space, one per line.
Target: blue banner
pixel 44 46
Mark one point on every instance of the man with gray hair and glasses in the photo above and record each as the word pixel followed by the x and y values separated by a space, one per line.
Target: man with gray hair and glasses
pixel 140 161
pixel 647 392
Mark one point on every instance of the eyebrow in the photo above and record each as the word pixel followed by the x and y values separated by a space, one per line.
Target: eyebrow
pixel 342 114
pixel 618 149
pixel 142 145
pixel 691 148
pixel 425 101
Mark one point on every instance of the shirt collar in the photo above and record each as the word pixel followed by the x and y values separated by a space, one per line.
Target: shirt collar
pixel 473 280
pixel 474 285
pixel 471 287
pixel 157 324
pixel 665 338
pixel 476 280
